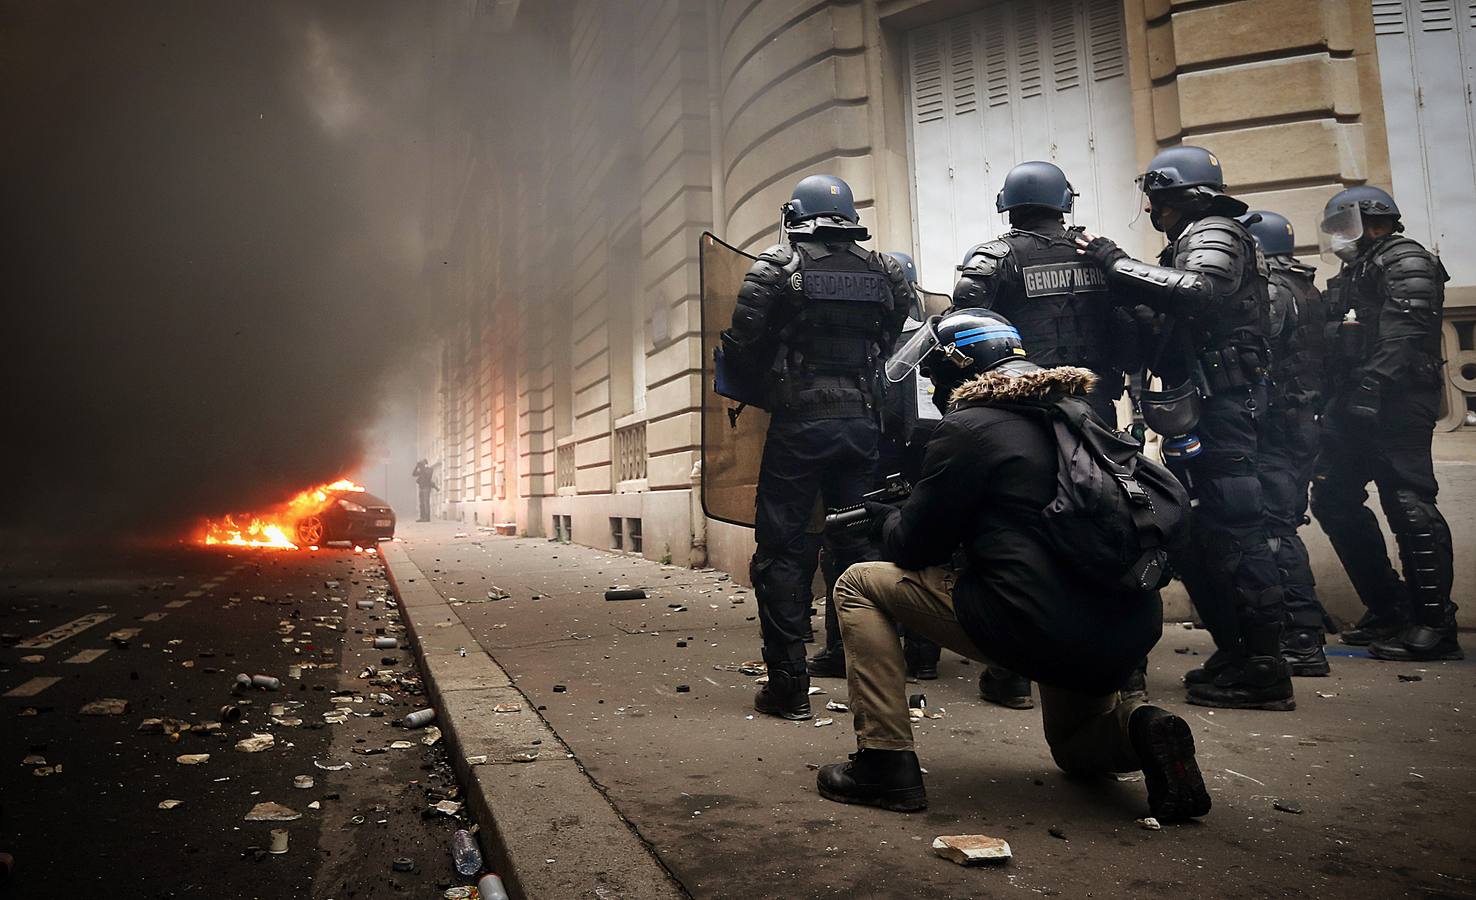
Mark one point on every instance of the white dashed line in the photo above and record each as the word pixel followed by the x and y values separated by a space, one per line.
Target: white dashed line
pixel 86 656
pixel 32 688
pixel 62 632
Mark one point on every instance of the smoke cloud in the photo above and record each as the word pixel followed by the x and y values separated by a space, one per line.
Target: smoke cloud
pixel 211 253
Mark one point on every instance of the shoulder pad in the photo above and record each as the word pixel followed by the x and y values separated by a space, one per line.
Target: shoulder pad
pixel 996 249
pixel 1414 277
pixel 982 261
pixel 779 253
pixel 1283 303
pixel 774 266
pixel 1214 245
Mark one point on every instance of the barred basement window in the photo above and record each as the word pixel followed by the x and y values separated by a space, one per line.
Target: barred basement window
pixel 564 466
pixel 630 452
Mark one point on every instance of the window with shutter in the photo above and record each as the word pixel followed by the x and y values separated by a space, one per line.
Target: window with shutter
pixel 961 71
pixel 1016 80
pixel 1065 60
pixel 927 76
pixel 1388 16
pixel 1437 15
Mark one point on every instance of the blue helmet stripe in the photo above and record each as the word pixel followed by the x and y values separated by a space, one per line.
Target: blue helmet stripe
pixel 997 328
pixel 978 338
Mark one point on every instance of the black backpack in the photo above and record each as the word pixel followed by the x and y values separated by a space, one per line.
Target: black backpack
pixel 1117 514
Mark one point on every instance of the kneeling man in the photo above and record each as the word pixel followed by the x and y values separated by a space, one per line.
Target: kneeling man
pixel 968 566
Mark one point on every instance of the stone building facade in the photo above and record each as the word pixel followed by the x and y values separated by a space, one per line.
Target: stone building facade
pixel 583 146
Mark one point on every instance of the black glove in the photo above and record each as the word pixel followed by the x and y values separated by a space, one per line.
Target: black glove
pixel 1365 400
pixel 1104 251
pixel 878 514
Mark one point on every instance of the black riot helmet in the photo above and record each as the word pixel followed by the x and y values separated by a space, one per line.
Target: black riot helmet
pixel 1341 229
pixel 1189 178
pixel 954 347
pixel 909 268
pixel 1272 231
pixel 821 195
pixel 1035 183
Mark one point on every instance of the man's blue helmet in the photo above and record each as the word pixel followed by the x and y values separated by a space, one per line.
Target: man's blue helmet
pixel 1272 231
pixel 1183 167
pixel 1035 183
pixel 821 195
pixel 1370 201
pixel 909 268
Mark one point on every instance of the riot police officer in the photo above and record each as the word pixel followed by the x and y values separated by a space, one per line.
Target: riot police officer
pixel 1033 276
pixel 819 315
pixel 1063 307
pixel 1289 433
pixel 905 429
pixel 1210 284
pixel 1386 378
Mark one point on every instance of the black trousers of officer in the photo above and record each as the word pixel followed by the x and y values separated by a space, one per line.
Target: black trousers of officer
pixel 834 459
pixel 1288 457
pixel 1395 455
pixel 1228 567
pixel 896 453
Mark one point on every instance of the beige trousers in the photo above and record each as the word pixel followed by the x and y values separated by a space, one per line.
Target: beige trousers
pixel 1087 733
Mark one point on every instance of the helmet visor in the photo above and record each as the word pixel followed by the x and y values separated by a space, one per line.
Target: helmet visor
pixel 923 341
pixel 1339 232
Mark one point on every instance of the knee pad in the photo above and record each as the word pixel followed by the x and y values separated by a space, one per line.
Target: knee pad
pixel 1410 513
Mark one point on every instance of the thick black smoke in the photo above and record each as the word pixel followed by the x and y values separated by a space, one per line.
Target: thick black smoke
pixel 210 251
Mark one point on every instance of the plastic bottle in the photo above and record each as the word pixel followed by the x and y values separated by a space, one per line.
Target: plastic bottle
pixel 465 855
pixel 266 682
pixel 490 888
pixel 386 643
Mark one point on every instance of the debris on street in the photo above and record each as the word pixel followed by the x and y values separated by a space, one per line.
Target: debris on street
pixel 192 759
pixel 971 849
pixel 256 743
pixel 107 706
pixel 269 811
pixel 169 804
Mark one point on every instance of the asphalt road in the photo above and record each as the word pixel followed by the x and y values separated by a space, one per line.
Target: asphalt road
pixel 167 630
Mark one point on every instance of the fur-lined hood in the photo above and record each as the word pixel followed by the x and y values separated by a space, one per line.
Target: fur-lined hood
pixel 997 386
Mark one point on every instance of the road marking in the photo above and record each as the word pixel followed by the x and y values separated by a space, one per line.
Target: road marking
pixel 62 632
pixel 153 617
pixel 193 594
pixel 176 604
pixel 32 688
pixel 86 656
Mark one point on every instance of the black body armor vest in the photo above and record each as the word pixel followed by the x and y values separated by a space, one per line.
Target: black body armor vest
pixel 1062 307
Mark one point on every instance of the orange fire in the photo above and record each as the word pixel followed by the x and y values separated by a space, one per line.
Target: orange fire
pixel 284 528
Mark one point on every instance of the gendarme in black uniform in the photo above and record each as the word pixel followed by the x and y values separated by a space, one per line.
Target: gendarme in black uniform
pixel 1289 433
pixel 821 315
pixel 1386 376
pixel 1034 276
pixel 1210 285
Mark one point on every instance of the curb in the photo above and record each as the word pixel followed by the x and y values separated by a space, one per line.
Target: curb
pixel 547 829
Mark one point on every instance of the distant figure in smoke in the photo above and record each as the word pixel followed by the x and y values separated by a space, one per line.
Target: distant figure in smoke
pixel 425 479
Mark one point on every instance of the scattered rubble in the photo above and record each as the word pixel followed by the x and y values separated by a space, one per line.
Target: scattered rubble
pixel 192 759
pixel 269 811
pixel 256 743
pixel 107 706
pixel 971 849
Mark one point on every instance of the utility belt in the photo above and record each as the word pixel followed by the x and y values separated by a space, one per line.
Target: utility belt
pixel 1230 368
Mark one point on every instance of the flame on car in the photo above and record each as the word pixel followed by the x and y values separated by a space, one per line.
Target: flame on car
pixel 278 527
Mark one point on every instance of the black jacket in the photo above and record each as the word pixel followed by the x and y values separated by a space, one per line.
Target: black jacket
pixel 989 471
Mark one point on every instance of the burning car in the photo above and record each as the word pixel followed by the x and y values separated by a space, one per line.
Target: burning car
pixel 352 515
pixel 338 511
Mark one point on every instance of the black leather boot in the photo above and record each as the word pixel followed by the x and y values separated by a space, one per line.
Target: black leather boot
pixel 922 658
pixel 1263 679
pixel 1218 662
pixel 1420 643
pixel 1372 627
pixel 786 696
pixel 1165 749
pixel 1302 650
pixel 1004 688
pixel 828 663
pixel 889 779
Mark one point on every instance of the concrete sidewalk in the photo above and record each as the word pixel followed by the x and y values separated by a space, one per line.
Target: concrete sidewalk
pixel 1380 766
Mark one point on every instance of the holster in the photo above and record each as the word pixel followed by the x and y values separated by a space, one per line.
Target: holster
pixel 1171 412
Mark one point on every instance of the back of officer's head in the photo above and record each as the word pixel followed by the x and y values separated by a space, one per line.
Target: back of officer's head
pixel 971 342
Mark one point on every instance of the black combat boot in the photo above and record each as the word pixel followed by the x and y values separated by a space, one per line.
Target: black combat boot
pixel 890 779
pixel 1372 627
pixel 828 663
pixel 1004 688
pixel 1262 680
pixel 1420 643
pixel 1165 749
pixel 1429 571
pixel 922 658
pixel 786 695
pixel 1218 662
pixel 1302 650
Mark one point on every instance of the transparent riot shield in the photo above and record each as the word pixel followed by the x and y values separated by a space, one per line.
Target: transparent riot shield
pixel 732 442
